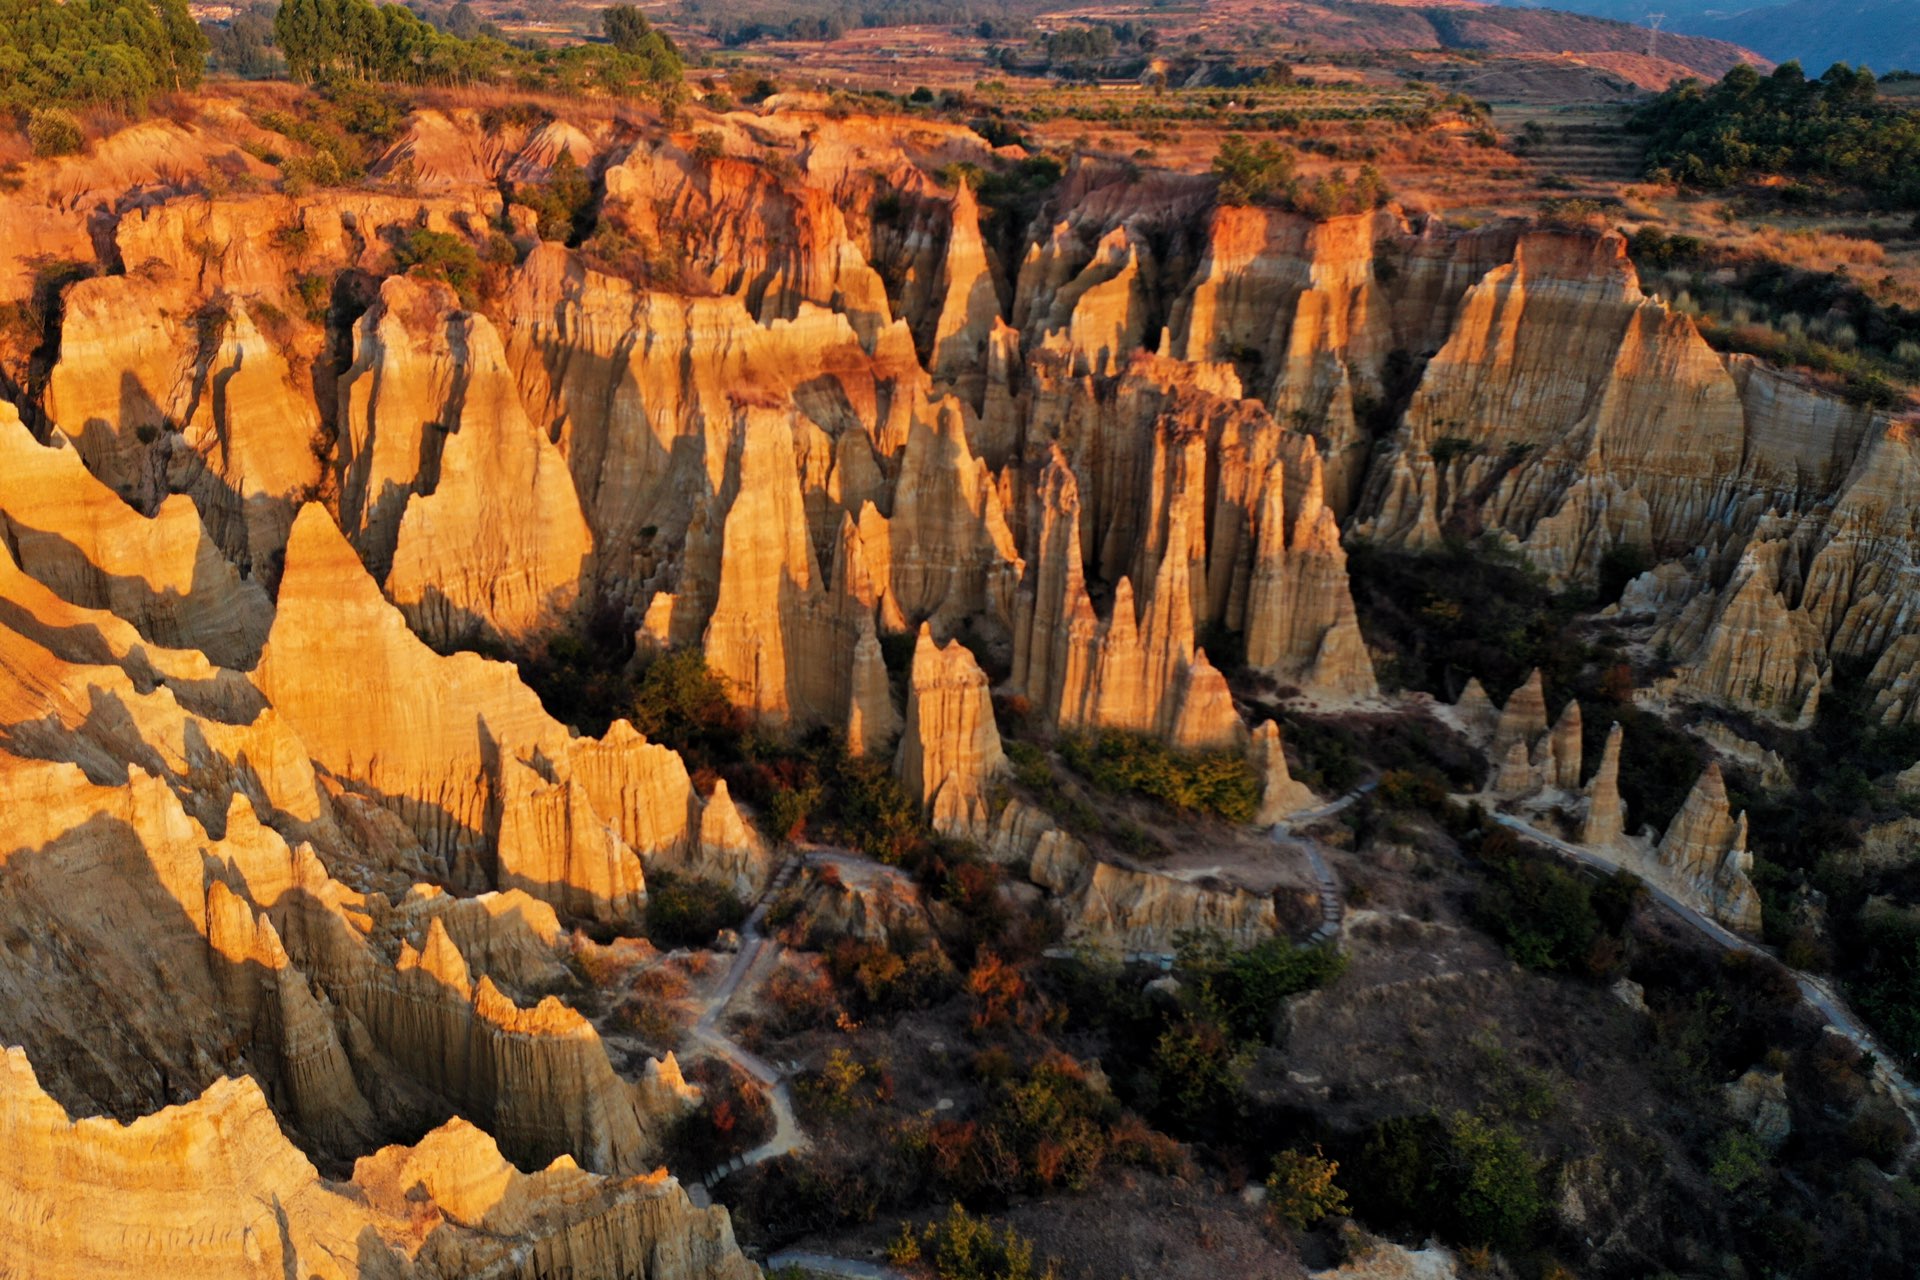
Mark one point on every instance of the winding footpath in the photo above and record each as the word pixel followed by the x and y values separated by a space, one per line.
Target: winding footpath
pixel 753 942
pixel 1333 908
pixel 1815 991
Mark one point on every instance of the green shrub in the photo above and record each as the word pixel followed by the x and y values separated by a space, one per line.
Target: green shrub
pixel 875 813
pixel 682 702
pixel 1546 917
pixel 683 911
pixel 564 202
pixel 1497 1184
pixel 963 1247
pixel 53 132
pixel 1301 1189
pixel 1220 783
pixel 1246 987
pixel 1252 172
pixel 1738 1161
pixel 1460 1177
pixel 440 255
pixel 1194 1075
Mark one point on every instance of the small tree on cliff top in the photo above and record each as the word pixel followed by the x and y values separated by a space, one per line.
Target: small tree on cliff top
pixel 1252 172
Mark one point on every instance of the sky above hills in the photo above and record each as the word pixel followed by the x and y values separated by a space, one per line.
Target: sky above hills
pixel 1884 34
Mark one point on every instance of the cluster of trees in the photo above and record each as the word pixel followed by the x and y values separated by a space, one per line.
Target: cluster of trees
pixel 1836 128
pixel 963 1247
pixel 357 40
pixel 686 911
pixel 243 45
pixel 1264 173
pixel 1213 782
pixel 1550 919
pixel 1467 1177
pixel 651 52
pixel 736 24
pixel 1070 43
pixel 112 53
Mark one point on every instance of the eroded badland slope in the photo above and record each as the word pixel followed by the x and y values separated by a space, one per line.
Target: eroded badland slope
pixel 296 860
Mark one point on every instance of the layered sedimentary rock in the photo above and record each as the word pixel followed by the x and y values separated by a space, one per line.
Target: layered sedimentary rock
pixel 1570 409
pixel 419 733
pixel 510 937
pixel 1280 795
pixel 950 750
pixel 1139 669
pixel 469 511
pixel 187 373
pixel 790 407
pixel 1705 849
pixel 1301 624
pixel 463 753
pixel 244 953
pixel 766 632
pixel 1570 415
pixel 1564 749
pixel 1606 815
pixel 774 245
pixel 1301 299
pixel 232 1198
pixel 554 845
pixel 161 573
pixel 1526 752
pixel 1747 645
pixel 1139 911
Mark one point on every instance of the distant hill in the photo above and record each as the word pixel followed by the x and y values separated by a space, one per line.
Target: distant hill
pixel 1883 34
pixel 1451 24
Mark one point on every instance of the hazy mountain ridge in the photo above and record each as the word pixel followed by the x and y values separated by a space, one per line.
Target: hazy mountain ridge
pixel 1884 34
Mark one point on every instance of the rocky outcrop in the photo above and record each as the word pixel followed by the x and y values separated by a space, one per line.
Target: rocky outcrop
pixel 950 750
pixel 463 754
pixel 1301 625
pixel 510 937
pixel 467 511
pixel 838 898
pixel 555 846
pixel 1528 755
pixel 421 734
pixel 1570 410
pixel 96 1198
pixel 1705 850
pixel 1280 795
pixel 1139 670
pixel 1748 647
pixel 764 636
pixel 1299 298
pixel 1564 749
pixel 774 245
pixel 789 407
pixel 1606 816
pixel 1139 911
pixel 161 573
